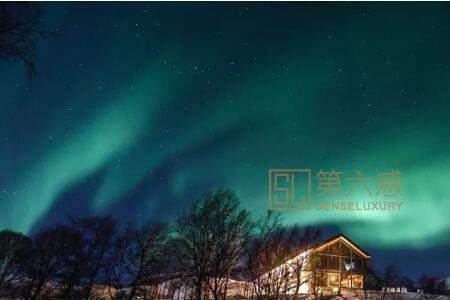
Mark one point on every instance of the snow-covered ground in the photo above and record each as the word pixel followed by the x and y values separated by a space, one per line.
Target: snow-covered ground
pixel 377 295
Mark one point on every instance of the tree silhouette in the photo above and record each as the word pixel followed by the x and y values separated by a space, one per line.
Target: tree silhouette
pixel 136 255
pixel 211 239
pixel 212 242
pixel 13 248
pixel 273 262
pixel 20 26
pixel 43 263
pixel 428 283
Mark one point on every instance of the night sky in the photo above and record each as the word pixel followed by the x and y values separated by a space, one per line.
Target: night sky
pixel 139 108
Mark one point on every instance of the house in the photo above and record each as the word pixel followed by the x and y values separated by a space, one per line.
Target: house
pixel 336 265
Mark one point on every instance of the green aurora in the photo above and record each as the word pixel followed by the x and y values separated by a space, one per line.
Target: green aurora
pixel 139 108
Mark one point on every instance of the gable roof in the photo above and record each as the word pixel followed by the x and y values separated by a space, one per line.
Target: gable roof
pixel 344 239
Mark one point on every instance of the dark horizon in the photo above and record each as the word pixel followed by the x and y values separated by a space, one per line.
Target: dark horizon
pixel 380 258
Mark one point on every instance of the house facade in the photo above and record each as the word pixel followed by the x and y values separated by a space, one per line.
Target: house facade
pixel 335 266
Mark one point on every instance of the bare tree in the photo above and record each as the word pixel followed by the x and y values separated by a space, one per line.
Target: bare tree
pixel 19 27
pixel 194 246
pixel 88 259
pixel 97 240
pixel 136 255
pixel 391 276
pixel 70 256
pixel 82 249
pixel 278 256
pixel 42 264
pixel 231 230
pixel 67 260
pixel 428 283
pixel 211 237
pixel 13 247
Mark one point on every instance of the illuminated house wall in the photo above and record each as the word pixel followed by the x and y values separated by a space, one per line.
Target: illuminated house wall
pixel 336 265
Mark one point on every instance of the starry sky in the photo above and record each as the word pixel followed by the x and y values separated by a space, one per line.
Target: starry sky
pixel 139 108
